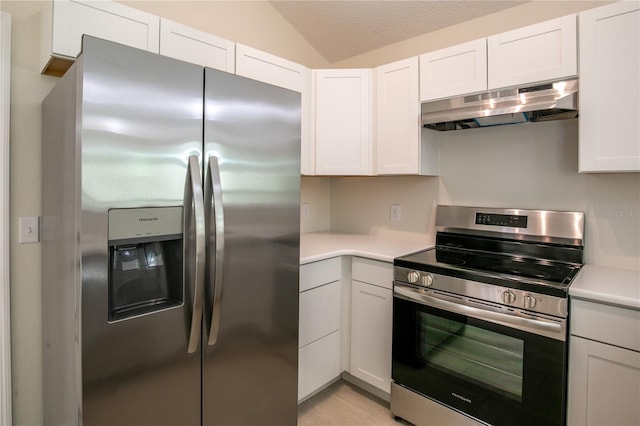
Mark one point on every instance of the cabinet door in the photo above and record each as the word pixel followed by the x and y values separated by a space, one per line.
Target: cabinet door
pixel 609 125
pixel 190 45
pixel 319 312
pixel 398 118
pixel 371 317
pixel 318 364
pixel 604 384
pixel 67 20
pixel 262 66
pixel 257 65
pixel 343 122
pixel 541 52
pixel 454 71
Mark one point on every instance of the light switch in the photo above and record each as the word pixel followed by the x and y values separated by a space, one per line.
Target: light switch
pixel 305 209
pixel 29 230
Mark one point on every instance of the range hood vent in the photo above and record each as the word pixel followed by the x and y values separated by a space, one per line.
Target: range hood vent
pixel 545 102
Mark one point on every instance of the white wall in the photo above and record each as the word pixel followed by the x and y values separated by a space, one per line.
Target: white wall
pixel 532 166
pixel 535 166
pixel 316 192
pixel 362 204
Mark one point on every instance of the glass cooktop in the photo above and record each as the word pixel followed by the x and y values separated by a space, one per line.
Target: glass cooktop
pixel 514 271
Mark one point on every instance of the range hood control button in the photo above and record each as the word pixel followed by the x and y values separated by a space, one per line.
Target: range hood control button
pixel 413 277
pixel 508 297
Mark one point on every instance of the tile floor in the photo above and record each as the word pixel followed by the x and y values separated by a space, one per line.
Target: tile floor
pixel 344 404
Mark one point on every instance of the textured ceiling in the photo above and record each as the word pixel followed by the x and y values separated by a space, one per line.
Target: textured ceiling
pixel 340 29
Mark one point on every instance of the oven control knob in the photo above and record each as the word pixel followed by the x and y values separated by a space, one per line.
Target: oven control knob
pixel 508 297
pixel 413 277
pixel 529 301
pixel 427 280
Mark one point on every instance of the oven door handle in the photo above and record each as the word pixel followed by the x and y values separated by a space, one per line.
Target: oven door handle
pixel 547 327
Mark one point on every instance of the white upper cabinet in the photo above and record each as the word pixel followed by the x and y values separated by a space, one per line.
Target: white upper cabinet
pixel 540 52
pixel 454 70
pixel 399 147
pixel 65 21
pixel 343 122
pixel 262 66
pixel 190 45
pixel 609 124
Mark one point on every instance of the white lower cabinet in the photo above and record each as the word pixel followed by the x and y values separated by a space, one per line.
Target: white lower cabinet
pixel 604 365
pixel 605 384
pixel 337 334
pixel 371 320
pixel 318 364
pixel 319 325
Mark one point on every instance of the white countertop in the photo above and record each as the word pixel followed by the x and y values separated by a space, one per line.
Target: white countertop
pixel 595 283
pixel 324 245
pixel 608 285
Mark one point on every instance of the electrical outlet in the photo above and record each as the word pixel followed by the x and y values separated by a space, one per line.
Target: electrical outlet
pixel 305 209
pixel 29 230
pixel 395 212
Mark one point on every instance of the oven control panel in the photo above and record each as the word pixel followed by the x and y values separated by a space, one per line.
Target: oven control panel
pixel 513 221
pixel 518 299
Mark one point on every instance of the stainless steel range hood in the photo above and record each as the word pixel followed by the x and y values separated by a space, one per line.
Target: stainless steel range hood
pixel 544 102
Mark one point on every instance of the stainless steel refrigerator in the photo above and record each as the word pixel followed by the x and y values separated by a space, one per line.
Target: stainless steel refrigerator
pixel 170 229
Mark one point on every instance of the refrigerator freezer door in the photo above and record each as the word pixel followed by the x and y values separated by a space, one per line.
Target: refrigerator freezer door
pixel 141 119
pixel 250 374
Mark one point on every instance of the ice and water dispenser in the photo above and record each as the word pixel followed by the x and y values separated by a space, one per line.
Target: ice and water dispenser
pixel 145 261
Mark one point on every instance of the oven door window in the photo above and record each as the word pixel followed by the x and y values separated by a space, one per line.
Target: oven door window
pixel 483 357
pixel 491 372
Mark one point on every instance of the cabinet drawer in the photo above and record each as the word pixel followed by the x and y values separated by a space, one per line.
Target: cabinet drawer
pixel 319 312
pixel 605 323
pixel 318 364
pixel 318 273
pixel 372 272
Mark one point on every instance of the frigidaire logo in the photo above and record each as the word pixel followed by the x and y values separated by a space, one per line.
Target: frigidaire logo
pixel 461 397
pixel 147 219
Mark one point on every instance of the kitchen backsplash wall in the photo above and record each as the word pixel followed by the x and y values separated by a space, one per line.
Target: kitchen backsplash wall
pixel 315 201
pixel 535 166
pixel 363 204
pixel 530 166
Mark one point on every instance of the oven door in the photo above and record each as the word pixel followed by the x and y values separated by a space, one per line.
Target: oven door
pixel 476 362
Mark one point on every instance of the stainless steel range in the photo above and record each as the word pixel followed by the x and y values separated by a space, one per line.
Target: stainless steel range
pixel 480 321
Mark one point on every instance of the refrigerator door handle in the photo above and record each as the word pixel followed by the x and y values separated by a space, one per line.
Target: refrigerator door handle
pixel 194 228
pixel 216 227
